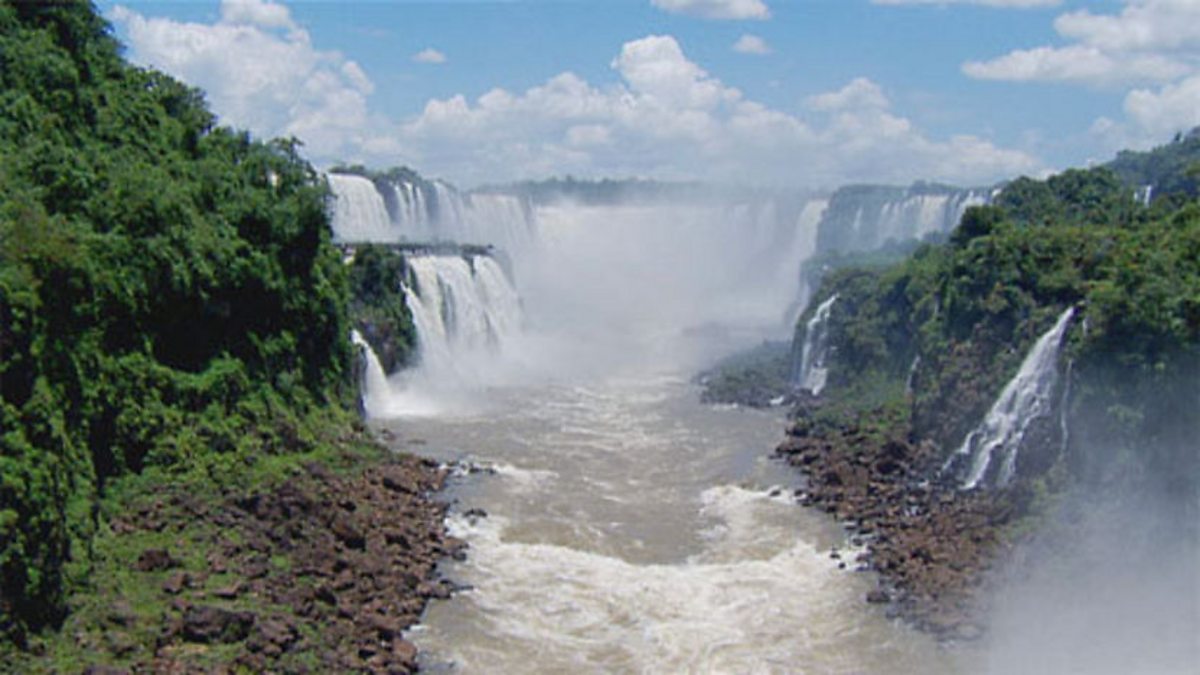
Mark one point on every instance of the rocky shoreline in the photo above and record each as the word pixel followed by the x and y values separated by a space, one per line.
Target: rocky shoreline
pixel 320 572
pixel 932 545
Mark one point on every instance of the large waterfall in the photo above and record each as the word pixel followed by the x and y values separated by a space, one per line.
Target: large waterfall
pixel 411 209
pixel 812 370
pixel 1028 396
pixel 464 308
pixel 867 217
pixel 374 380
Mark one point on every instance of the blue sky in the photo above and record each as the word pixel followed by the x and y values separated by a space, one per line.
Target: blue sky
pixel 808 93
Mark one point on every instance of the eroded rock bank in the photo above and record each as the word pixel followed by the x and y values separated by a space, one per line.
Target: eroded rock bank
pixel 321 571
pixel 932 545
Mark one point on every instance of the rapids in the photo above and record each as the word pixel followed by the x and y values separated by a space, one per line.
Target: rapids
pixel 631 529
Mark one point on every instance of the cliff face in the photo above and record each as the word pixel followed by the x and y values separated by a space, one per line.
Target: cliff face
pixel 868 217
pixel 1048 355
pixel 948 327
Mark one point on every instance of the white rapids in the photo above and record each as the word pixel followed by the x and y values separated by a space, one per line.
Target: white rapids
pixel 631 529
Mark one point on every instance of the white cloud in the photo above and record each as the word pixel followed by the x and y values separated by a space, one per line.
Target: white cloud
pixel 261 72
pixel 1161 113
pixel 1150 25
pixel 429 55
pixel 1018 4
pixel 256 13
pixel 861 94
pixel 1076 63
pixel 665 116
pixel 751 44
pixel 717 9
pixel 1148 43
pixel 668 117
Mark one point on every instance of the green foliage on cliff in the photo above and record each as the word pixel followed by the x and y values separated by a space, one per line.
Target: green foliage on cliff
pixel 1171 168
pixel 378 308
pixel 168 293
pixel 955 321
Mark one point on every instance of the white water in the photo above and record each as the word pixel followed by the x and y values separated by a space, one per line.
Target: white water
pixel 914 215
pixel 426 212
pixel 1027 397
pixel 465 311
pixel 920 215
pixel 631 529
pixel 814 369
pixel 358 210
pixel 375 382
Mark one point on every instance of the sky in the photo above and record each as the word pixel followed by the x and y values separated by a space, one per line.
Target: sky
pixel 795 93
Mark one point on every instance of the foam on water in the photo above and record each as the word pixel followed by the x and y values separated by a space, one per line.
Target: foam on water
pixel 633 529
pixel 757 599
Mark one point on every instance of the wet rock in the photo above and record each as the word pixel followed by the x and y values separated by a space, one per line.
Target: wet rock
pixel 276 631
pixel 344 530
pixel 175 583
pixel 207 624
pixel 120 613
pixel 229 592
pixel 155 560
pixel 105 670
pixel 404 652
pixel 878 597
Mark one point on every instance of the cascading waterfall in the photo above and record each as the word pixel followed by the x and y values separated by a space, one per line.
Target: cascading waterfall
pixel 803 246
pixel 359 213
pixel 813 370
pixel 1027 396
pixel 398 209
pixel 462 307
pixel 464 310
pixel 374 381
pixel 865 218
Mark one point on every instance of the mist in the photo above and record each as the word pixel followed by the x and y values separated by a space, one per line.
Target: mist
pixel 665 285
pixel 1110 585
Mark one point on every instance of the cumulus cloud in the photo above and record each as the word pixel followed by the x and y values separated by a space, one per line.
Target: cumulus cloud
pixel 261 72
pixel 668 117
pixel 1018 4
pixel 716 9
pixel 257 13
pixel 1076 63
pixel 1162 112
pixel 751 44
pixel 429 55
pixel 664 116
pixel 1147 44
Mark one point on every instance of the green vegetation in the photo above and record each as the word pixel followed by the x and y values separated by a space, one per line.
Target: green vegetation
pixel 1173 169
pixel 169 300
pixel 757 377
pixel 378 308
pixel 122 613
pixel 956 320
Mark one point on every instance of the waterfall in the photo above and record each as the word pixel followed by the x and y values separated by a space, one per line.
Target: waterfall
pixel 814 370
pixel 1027 397
pixel 910 382
pixel 374 383
pixel 359 212
pixel 866 217
pixel 462 307
pixel 407 208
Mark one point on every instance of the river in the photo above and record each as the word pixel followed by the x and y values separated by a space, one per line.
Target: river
pixel 630 528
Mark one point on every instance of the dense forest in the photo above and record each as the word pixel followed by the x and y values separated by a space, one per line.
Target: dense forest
pixel 938 334
pixel 169 298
